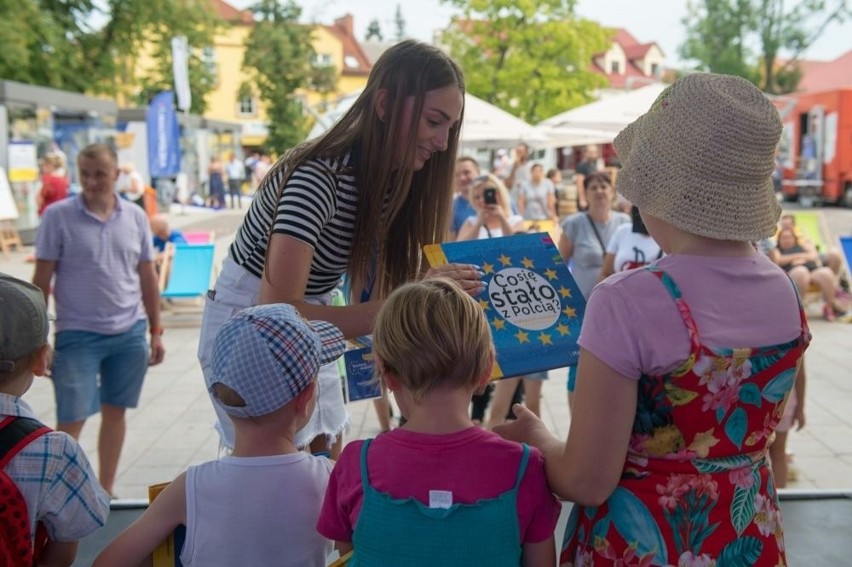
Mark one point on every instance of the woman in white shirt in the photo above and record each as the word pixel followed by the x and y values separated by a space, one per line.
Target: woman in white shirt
pixel 130 184
pixel 630 247
pixel 493 219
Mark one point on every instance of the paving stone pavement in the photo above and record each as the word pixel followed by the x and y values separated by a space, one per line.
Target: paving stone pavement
pixel 173 426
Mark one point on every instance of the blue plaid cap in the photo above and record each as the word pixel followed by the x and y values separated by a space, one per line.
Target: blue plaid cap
pixel 269 354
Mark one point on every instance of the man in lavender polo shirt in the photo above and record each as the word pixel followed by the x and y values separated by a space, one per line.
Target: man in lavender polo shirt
pixel 99 249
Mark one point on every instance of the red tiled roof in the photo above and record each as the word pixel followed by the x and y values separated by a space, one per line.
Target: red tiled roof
pixel 342 29
pixel 624 38
pixel 231 14
pixel 825 75
pixel 633 52
pixel 637 51
pixel 618 80
pixel 631 46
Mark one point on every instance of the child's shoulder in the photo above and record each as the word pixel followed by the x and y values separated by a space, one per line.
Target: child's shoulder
pixel 491 441
pixel 471 441
pixel 351 452
pixel 56 448
pixel 322 464
pixel 63 453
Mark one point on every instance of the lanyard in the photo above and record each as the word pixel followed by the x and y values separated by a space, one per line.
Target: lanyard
pixel 598 234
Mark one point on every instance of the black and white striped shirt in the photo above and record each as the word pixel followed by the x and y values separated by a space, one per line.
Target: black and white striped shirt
pixel 317 206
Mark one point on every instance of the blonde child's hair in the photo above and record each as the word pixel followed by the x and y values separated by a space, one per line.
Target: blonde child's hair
pixel 55 161
pixel 431 334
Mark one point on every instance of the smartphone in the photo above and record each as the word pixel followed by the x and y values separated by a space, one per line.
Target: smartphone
pixel 489 195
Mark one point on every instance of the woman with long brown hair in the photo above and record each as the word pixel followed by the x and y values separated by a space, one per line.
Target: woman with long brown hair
pixel 360 201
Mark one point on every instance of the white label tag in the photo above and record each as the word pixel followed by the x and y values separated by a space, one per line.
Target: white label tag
pixel 440 498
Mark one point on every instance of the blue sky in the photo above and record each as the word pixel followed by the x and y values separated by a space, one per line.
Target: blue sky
pixel 647 20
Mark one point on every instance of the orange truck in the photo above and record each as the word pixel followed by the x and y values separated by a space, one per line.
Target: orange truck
pixel 816 148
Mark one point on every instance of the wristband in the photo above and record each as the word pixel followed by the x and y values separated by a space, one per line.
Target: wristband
pixel 157 331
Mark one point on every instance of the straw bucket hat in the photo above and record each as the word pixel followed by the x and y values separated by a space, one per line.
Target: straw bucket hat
pixel 701 159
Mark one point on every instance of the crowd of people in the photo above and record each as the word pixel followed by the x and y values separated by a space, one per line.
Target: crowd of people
pixel 669 429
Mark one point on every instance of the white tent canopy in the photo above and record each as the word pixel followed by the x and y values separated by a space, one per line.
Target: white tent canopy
pixel 600 121
pixel 485 125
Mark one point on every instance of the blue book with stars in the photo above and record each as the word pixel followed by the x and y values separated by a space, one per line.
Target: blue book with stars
pixel 532 302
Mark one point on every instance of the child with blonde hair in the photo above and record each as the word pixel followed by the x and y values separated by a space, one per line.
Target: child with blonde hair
pixel 438 491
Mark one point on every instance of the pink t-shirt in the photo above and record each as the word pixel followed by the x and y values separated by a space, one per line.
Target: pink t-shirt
pixel 473 464
pixel 633 325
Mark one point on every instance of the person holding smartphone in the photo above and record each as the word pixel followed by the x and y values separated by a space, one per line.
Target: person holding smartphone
pixel 494 216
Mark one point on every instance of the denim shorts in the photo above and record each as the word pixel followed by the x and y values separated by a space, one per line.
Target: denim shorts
pixel 91 369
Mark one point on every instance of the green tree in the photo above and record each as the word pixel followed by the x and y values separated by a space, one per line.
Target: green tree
pixel 41 41
pixel 718 35
pixel 279 58
pixel 530 58
pixel 748 38
pixel 374 31
pixel 399 23
pixel 181 18
pixel 53 43
pixel 790 32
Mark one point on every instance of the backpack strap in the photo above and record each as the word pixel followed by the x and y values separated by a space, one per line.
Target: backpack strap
pixel 16 433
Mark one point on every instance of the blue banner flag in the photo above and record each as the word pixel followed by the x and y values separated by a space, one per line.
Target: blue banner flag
pixel 163 136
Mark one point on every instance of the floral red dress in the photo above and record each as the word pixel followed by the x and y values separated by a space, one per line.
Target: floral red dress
pixel 696 489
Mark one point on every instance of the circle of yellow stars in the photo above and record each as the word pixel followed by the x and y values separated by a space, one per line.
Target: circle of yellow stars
pixel 543 337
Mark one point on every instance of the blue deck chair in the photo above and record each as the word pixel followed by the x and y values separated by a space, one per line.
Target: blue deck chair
pixel 190 268
pixel 846 246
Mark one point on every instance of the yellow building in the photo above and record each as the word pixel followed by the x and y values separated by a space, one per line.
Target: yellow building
pixel 230 101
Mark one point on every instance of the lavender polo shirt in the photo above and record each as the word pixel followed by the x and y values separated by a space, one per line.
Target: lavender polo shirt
pixel 96 286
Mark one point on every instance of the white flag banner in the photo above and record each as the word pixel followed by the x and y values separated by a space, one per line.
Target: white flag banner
pixel 180 67
pixel 8 208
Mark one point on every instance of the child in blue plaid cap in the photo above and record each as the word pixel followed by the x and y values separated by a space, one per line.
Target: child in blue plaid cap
pixel 55 483
pixel 259 505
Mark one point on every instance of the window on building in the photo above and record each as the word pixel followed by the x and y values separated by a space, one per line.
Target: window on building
pixel 246 106
pixel 322 59
pixel 208 57
pixel 615 67
pixel 350 61
pixel 655 69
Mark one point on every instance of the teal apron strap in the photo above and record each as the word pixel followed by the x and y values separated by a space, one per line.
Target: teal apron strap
pixel 365 478
pixel 523 468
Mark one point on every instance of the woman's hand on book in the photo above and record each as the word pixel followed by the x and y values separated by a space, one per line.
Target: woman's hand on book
pixel 467 276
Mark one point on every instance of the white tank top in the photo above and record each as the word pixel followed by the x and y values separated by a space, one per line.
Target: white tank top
pixel 256 511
